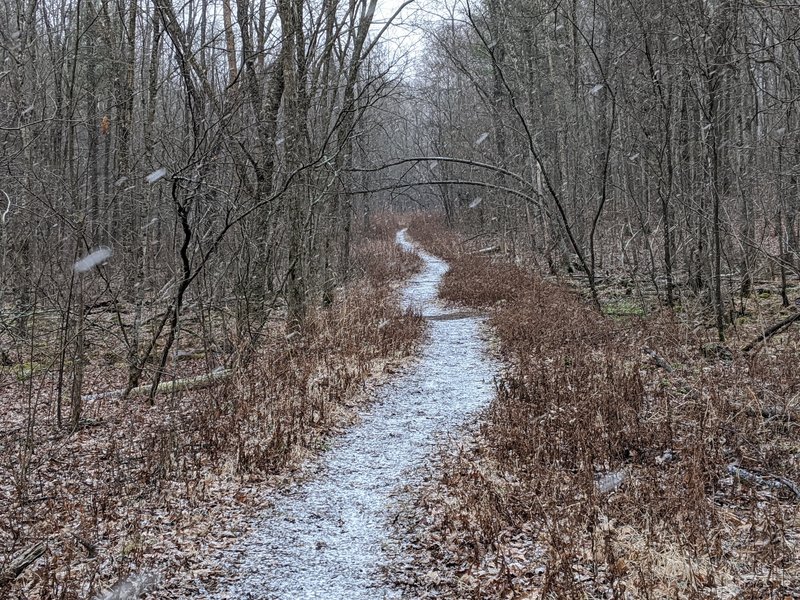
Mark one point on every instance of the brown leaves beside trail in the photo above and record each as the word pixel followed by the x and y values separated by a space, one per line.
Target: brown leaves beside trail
pixel 162 490
pixel 598 473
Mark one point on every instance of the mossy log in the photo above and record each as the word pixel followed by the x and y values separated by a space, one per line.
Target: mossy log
pixel 184 385
pixel 169 387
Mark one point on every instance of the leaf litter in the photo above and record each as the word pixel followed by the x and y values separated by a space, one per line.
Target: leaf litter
pixel 139 492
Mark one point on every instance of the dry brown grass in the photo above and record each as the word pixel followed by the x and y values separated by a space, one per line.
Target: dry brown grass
pixel 163 488
pixel 522 509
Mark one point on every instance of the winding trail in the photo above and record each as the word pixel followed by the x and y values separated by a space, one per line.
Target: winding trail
pixel 325 537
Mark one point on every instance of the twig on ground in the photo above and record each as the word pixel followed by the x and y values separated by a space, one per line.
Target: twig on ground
pixel 657 360
pixel 758 480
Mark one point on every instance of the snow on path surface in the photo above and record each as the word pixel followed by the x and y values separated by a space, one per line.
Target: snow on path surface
pixel 324 537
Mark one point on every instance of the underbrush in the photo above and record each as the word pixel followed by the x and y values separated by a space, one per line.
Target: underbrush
pixel 158 490
pixel 619 458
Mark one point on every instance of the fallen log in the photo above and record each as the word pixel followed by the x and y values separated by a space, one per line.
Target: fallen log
pixel 779 483
pixel 768 333
pixel 21 562
pixel 168 387
pixel 775 413
pixel 656 359
pixel 185 385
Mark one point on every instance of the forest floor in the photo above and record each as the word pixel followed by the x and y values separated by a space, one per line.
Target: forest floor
pixel 627 453
pixel 624 453
pixel 145 497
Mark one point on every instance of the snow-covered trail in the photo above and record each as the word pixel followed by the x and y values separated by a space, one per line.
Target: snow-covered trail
pixel 324 538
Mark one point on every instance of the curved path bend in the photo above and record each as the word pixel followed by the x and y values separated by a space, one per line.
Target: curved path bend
pixel 324 538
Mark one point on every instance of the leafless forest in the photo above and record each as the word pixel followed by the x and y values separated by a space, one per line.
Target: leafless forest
pixel 198 203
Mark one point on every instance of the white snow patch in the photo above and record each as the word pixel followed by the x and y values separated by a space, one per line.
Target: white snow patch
pixel 156 175
pixel 611 481
pixel 476 202
pixel 132 587
pixel 94 258
pixel 666 457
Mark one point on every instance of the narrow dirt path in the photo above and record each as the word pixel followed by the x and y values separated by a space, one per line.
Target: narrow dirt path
pixel 325 537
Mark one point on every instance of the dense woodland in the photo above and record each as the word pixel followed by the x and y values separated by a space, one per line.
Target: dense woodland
pixel 177 178
pixel 655 138
pixel 205 146
pixel 224 153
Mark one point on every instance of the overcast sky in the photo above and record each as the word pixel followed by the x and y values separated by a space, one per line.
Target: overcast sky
pixel 403 38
